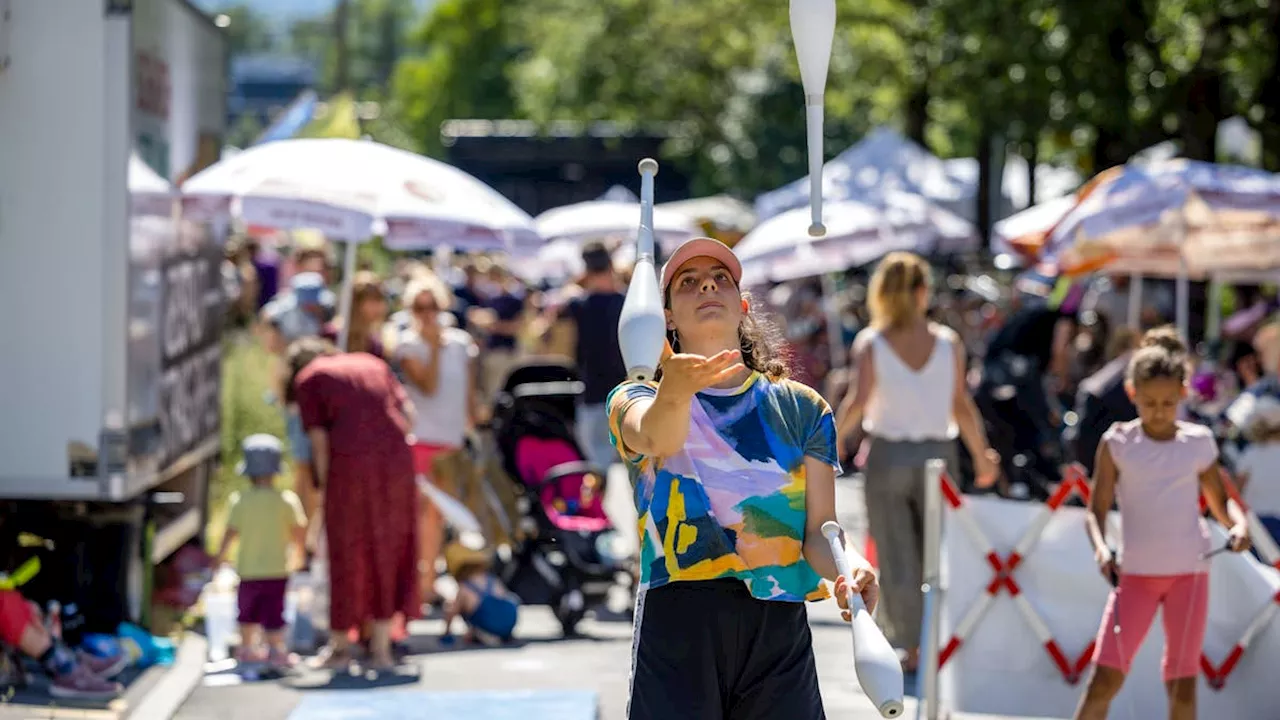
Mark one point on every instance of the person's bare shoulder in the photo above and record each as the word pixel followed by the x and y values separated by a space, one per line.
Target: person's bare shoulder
pixel 945 332
pixel 863 340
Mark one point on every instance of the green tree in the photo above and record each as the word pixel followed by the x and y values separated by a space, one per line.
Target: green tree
pixel 377 33
pixel 248 31
pixel 456 67
pixel 245 131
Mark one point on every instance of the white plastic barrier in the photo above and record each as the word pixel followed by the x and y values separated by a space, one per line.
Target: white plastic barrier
pixel 1018 641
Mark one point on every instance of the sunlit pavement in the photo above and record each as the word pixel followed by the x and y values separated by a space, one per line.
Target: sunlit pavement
pixel 561 674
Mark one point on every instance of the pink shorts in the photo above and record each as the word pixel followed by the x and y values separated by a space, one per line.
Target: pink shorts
pixel 1184 600
pixel 424 455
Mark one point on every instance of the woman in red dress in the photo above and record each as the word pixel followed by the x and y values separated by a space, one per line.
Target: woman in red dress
pixel 358 416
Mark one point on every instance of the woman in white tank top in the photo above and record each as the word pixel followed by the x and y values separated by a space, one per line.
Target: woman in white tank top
pixel 909 396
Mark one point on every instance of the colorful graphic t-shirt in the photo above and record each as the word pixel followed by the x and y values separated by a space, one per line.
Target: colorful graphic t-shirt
pixel 731 504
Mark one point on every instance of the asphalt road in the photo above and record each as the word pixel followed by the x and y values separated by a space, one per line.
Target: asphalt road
pixel 540 662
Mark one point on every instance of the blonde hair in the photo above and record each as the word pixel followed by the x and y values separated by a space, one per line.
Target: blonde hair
pixel 892 295
pixel 428 283
pixel 365 286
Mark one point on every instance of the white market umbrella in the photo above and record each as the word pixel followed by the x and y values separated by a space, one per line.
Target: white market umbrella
pixel 721 210
pixel 352 190
pixel 1037 219
pixel 780 248
pixel 555 262
pixel 1173 218
pixel 149 192
pixel 883 161
pixel 611 220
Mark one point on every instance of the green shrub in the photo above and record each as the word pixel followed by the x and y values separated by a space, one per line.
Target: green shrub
pixel 247 370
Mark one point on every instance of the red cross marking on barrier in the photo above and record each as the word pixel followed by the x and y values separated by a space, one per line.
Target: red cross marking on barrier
pixel 1004 579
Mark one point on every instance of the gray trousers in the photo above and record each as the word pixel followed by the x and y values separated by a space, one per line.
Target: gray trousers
pixel 894 488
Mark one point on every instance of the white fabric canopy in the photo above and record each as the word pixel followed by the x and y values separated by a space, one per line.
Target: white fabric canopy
pixel 857 233
pixel 352 190
pixel 610 220
pixel 885 161
pixel 722 210
pixel 1174 217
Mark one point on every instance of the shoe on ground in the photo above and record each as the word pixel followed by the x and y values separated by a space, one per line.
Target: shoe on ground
pixel 105 668
pixel 281 661
pixel 81 684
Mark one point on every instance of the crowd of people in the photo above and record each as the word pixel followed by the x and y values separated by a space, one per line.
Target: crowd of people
pixel 1004 379
pixel 429 346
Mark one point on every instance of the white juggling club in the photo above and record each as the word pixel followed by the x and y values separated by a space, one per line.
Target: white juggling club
pixel 813 29
pixel 642 327
pixel 874 661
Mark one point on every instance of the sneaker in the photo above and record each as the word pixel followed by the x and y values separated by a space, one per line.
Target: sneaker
pixel 80 684
pixel 105 668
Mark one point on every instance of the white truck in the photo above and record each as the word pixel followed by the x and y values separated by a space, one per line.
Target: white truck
pixel 110 332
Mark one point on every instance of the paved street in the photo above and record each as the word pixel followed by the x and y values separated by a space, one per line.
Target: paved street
pixel 542 661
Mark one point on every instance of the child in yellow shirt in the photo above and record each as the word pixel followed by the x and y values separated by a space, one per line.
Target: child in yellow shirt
pixel 266 521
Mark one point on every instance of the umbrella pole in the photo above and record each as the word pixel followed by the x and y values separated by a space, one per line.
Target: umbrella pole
pixel 1213 325
pixel 1184 299
pixel 1135 300
pixel 345 301
pixel 835 328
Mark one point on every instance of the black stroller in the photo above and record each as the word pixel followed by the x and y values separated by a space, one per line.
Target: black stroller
pixel 565 551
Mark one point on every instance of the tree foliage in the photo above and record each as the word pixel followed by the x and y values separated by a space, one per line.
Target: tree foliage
pixel 456 67
pixel 1067 80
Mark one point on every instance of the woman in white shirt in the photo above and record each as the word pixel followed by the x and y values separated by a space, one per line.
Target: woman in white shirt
pixel 910 398
pixel 439 367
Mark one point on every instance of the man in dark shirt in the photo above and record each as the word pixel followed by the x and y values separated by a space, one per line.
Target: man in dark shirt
pixel 465 296
pixel 594 316
pixel 502 299
pixel 1101 401
pixel 1027 352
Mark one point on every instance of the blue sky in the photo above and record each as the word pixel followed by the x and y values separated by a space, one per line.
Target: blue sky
pixel 284 10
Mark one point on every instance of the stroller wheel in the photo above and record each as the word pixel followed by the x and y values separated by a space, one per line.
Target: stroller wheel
pixel 571 607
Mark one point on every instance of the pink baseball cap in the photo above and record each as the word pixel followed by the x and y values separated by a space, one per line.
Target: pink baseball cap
pixel 701 247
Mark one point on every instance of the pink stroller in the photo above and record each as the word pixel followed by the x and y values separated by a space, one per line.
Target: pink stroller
pixel 565 555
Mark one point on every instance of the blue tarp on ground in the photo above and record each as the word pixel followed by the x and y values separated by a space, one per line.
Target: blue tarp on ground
pixel 476 705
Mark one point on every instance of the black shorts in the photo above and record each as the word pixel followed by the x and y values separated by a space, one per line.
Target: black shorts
pixel 709 651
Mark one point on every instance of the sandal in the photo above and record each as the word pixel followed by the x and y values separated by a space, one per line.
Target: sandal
pixel 330 659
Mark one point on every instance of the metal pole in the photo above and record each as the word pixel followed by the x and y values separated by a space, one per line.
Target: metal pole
pixel 835 326
pixel 1135 300
pixel 929 709
pixel 1183 295
pixel 345 302
pixel 1213 329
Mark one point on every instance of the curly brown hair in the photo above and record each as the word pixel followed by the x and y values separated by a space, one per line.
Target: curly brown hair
pixel 1162 356
pixel 759 339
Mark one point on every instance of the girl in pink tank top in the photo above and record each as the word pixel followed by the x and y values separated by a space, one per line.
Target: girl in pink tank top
pixel 1157 466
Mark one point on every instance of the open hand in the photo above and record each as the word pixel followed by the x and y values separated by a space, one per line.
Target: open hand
pixel 865 583
pixel 684 374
